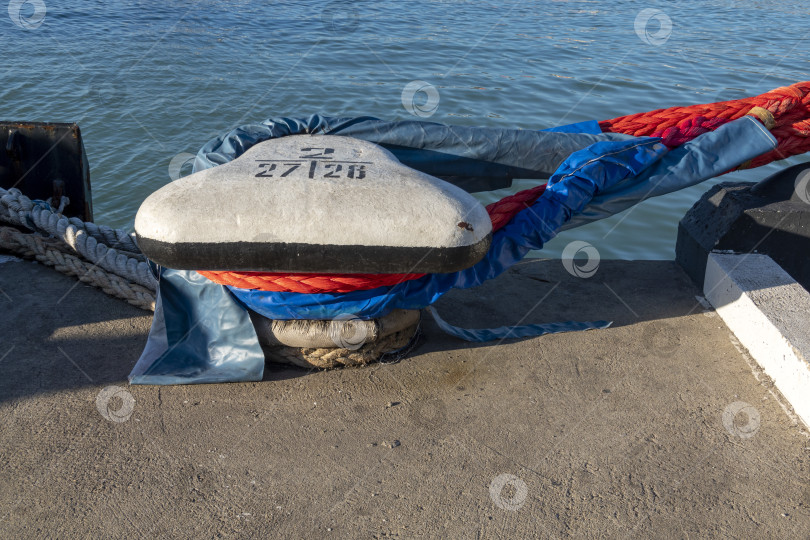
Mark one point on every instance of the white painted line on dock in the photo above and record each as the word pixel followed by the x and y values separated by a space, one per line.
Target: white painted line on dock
pixel 769 314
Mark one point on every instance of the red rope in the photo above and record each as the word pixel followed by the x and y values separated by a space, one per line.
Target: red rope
pixel 790 106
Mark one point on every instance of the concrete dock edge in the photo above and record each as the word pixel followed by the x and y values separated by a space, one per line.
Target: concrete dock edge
pixel 768 311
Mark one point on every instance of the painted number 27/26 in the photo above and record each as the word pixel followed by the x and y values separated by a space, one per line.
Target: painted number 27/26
pixel 324 170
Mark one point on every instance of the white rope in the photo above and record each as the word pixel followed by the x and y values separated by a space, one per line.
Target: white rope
pixel 122 257
pixel 53 252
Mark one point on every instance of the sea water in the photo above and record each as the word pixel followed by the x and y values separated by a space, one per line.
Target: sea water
pixel 149 82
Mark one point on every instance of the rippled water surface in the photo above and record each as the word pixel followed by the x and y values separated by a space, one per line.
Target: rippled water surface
pixel 149 80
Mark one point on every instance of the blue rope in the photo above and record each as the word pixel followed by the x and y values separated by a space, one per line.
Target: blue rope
pixel 511 332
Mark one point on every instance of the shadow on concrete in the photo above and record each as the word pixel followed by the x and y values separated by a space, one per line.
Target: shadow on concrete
pixel 59 334
pixel 543 291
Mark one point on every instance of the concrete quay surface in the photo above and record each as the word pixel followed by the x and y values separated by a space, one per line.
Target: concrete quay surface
pixel 660 426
